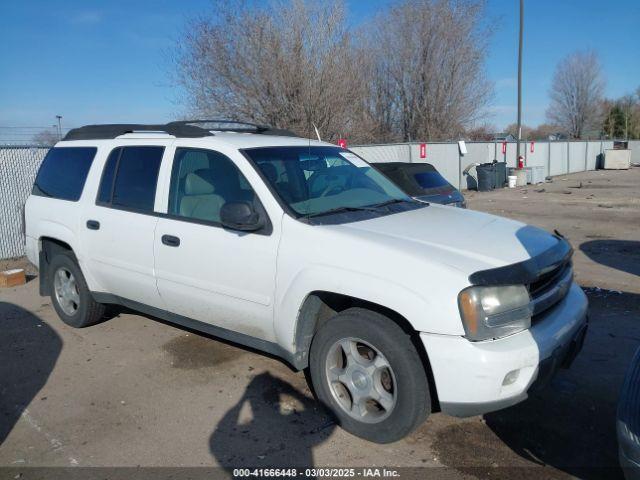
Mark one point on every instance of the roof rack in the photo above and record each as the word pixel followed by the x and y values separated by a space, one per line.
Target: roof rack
pixel 221 125
pixel 181 129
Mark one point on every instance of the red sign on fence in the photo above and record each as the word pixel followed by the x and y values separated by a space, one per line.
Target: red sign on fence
pixel 531 147
pixel 504 147
pixel 342 142
pixel 423 150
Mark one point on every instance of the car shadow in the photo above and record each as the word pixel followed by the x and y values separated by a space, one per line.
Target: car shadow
pixel 622 255
pixel 571 424
pixel 272 425
pixel 29 349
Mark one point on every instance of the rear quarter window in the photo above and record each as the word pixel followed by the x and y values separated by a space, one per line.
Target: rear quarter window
pixel 129 178
pixel 63 172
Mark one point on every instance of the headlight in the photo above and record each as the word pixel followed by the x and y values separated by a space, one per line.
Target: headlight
pixel 493 312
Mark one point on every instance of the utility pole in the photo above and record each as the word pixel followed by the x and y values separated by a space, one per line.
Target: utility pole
pixel 59 117
pixel 520 81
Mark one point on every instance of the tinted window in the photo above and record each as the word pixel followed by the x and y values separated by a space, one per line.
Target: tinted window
pixel 430 180
pixel 63 172
pixel 136 175
pixel 108 174
pixel 202 181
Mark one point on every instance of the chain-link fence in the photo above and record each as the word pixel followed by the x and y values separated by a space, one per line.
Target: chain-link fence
pixel 18 168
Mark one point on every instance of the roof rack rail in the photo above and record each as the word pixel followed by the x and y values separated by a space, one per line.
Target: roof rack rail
pixel 224 125
pixel 113 130
pixel 181 129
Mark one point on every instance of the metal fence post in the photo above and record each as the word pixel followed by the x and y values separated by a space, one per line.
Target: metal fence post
pixel 459 169
pixel 549 158
pixel 586 152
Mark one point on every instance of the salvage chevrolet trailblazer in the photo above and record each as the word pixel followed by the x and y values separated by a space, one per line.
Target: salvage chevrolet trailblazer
pixel 397 308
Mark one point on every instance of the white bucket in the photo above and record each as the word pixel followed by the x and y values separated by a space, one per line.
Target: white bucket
pixel 512 181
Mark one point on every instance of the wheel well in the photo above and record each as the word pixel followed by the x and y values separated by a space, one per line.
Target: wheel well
pixel 320 306
pixel 49 248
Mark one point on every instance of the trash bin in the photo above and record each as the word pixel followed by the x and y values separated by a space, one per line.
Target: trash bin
pixel 486 177
pixel 501 174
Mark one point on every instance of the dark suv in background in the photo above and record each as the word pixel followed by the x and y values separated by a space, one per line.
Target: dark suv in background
pixel 422 182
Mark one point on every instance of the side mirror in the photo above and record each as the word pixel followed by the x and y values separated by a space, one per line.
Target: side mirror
pixel 240 216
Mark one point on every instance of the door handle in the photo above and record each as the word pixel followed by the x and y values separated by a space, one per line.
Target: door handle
pixel 170 241
pixel 93 225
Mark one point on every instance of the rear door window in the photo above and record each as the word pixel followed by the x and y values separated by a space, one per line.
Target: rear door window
pixel 130 178
pixel 108 174
pixel 63 172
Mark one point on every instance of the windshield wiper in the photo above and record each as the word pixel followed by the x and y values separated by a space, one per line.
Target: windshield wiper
pixel 341 210
pixel 367 208
pixel 390 202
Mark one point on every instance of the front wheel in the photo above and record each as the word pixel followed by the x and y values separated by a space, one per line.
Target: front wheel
pixel 366 370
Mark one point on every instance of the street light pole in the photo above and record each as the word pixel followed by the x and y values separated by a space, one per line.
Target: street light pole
pixel 59 117
pixel 520 81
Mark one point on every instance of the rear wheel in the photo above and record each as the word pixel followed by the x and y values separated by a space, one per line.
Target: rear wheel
pixel 70 295
pixel 365 368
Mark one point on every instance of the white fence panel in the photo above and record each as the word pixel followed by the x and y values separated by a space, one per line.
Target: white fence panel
pixel 634 145
pixel 577 156
pixel 539 157
pixel 557 157
pixel 384 153
pixel 558 164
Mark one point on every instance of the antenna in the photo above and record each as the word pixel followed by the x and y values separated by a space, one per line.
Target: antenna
pixel 317 131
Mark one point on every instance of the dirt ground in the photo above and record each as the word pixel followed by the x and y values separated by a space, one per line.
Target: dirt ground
pixel 134 391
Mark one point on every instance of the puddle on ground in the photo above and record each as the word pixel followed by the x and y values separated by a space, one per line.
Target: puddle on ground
pixel 191 352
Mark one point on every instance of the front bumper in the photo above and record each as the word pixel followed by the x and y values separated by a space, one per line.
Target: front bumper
pixel 473 378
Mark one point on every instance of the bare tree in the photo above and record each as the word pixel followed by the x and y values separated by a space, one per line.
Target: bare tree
pixel 429 80
pixel 414 72
pixel 289 64
pixel 576 94
pixel 512 129
pixel 482 133
pixel 45 138
pixel 622 116
pixel 543 131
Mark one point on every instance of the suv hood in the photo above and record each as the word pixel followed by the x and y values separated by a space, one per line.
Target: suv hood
pixel 464 239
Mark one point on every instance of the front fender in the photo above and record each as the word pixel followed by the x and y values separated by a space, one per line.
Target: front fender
pixel 421 312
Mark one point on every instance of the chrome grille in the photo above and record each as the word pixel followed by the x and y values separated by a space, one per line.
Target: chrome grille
pixel 550 288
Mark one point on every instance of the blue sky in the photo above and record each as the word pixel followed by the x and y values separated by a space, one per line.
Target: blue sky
pixel 107 61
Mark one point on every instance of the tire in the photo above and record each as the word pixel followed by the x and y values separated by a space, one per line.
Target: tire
pixel 394 372
pixel 74 304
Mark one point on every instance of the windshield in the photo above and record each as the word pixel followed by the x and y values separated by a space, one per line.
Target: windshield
pixel 317 180
pixel 429 180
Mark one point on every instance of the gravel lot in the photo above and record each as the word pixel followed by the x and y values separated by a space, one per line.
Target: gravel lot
pixel 135 391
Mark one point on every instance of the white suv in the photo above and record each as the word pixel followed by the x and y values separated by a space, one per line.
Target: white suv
pixel 300 249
